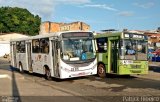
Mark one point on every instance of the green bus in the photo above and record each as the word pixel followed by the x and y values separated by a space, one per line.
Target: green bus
pixel 121 53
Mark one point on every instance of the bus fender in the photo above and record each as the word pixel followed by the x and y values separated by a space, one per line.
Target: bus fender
pixel 47 72
pixel 20 67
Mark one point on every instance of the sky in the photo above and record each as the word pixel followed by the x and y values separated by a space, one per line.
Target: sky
pixel 99 14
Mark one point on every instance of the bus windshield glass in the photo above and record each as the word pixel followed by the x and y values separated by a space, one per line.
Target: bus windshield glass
pixel 133 49
pixel 80 49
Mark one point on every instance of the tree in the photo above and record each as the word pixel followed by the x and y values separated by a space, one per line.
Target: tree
pixel 14 19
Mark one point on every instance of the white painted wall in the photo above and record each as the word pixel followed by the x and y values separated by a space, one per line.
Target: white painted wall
pixel 5 42
pixel 8 37
pixel 4 48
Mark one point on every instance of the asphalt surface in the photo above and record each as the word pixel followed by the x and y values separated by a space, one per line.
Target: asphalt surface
pixel 34 88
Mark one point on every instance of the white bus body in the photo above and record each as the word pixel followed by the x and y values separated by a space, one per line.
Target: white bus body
pixel 59 55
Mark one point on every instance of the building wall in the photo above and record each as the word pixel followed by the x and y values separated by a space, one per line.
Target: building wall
pixel 6 48
pixel 55 27
pixel 153 39
pixel 69 27
pixel 50 27
pixel 8 37
pixel 75 26
pixel 85 27
pixel 5 44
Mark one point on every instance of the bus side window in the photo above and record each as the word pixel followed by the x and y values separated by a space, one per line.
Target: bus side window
pixel 44 45
pixel 35 46
pixel 102 45
pixel 20 46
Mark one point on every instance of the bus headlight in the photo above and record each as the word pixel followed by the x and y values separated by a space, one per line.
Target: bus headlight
pixel 95 66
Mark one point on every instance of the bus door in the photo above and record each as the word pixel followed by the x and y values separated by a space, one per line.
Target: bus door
pixel 113 54
pixel 13 52
pixel 29 58
pixel 55 59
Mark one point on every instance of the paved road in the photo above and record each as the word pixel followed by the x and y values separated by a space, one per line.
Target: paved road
pixel 91 88
pixel 17 87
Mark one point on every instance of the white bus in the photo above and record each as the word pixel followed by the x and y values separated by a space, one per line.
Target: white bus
pixel 61 55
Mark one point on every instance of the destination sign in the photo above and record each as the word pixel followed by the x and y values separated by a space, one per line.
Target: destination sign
pixel 77 34
pixel 138 36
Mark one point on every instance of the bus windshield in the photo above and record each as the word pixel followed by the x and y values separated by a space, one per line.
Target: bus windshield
pixel 133 49
pixel 77 49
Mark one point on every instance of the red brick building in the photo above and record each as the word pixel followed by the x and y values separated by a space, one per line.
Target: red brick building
pixel 50 27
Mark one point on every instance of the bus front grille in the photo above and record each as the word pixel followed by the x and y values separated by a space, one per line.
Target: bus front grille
pixel 135 66
pixel 136 71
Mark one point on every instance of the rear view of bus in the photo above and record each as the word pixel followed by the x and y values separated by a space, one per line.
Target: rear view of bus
pixel 77 55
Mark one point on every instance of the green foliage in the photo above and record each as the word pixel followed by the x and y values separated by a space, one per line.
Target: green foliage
pixel 19 20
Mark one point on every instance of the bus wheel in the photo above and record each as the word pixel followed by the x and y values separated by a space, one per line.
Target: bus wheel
pixel 20 68
pixel 47 74
pixel 101 71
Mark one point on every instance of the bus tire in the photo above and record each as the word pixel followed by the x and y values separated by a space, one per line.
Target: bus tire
pixel 48 74
pixel 21 68
pixel 101 71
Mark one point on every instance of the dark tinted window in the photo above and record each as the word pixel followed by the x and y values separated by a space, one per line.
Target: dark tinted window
pixel 102 44
pixel 20 45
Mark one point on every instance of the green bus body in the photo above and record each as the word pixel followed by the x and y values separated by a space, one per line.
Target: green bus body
pixel 112 53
